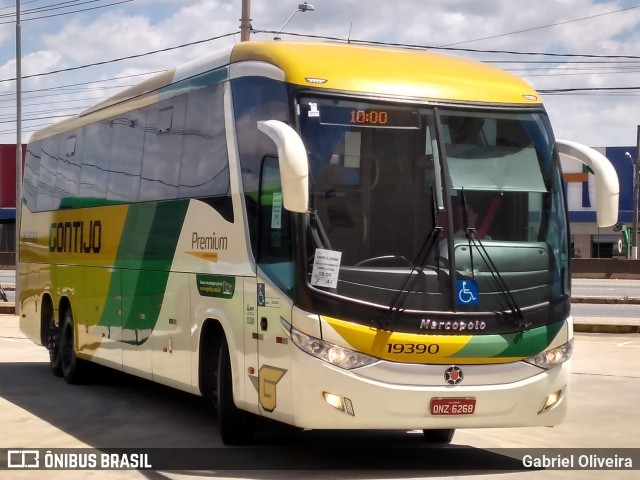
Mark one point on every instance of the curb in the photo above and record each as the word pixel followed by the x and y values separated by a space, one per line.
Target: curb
pixel 7 308
pixel 603 328
pixel 607 300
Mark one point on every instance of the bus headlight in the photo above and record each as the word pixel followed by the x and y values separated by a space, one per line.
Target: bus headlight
pixel 552 357
pixel 329 352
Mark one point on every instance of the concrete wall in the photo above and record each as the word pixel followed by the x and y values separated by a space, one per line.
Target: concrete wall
pixel 605 268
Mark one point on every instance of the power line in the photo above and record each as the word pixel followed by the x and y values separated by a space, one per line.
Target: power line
pixel 453 49
pixel 541 27
pixel 46 8
pixel 40 112
pixel 21 3
pixel 362 42
pixel 588 89
pixel 122 77
pixel 68 13
pixel 36 118
pixel 105 62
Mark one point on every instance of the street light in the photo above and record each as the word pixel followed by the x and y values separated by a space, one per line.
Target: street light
pixel 636 188
pixel 303 7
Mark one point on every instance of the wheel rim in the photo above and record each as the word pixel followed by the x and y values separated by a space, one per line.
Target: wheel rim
pixel 66 351
pixel 53 345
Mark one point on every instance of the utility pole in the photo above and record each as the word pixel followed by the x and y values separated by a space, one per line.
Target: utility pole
pixel 245 21
pixel 636 188
pixel 18 147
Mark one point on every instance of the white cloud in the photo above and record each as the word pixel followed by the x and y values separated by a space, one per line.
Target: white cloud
pixel 147 25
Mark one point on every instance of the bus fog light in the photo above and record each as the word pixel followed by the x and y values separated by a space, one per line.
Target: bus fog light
pixel 340 403
pixel 334 400
pixel 551 400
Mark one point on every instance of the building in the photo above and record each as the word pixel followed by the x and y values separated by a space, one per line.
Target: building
pixel 589 241
pixel 8 197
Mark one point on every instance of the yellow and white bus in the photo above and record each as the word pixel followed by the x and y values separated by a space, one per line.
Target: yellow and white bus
pixel 327 235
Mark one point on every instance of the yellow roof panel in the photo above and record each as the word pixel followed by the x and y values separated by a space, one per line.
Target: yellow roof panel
pixel 389 71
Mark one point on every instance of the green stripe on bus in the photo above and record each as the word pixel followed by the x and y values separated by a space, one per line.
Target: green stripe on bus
pixel 146 251
pixel 519 344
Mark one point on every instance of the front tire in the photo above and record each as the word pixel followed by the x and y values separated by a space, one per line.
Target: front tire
pixel 236 426
pixel 73 368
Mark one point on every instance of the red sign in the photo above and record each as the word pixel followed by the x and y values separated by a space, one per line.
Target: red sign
pixel 8 174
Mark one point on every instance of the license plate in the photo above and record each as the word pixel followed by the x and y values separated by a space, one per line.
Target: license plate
pixel 452 406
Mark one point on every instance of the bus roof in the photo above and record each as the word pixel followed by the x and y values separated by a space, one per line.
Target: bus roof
pixel 378 71
pixel 389 72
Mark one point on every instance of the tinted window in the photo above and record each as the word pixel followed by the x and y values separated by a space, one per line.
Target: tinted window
pixel 69 163
pixel 175 148
pixel 205 165
pixel 256 98
pixel 162 149
pixel 31 172
pixel 47 178
pixel 96 158
pixel 126 156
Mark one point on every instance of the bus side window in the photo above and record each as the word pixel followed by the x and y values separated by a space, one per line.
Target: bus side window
pixel 254 99
pixel 274 242
pixel 48 171
pixel 31 174
pixel 204 170
pixel 126 156
pixel 96 160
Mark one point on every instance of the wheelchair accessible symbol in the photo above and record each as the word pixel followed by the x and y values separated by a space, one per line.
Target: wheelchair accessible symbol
pixel 467 292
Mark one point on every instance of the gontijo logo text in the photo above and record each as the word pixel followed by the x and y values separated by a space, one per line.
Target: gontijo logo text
pixel 75 237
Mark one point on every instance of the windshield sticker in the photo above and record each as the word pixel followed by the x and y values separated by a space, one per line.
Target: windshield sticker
pixel 276 211
pixel 326 266
pixel 467 292
pixel 313 110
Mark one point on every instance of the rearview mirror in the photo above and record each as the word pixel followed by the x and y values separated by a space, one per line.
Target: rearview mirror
pixel 607 186
pixel 294 166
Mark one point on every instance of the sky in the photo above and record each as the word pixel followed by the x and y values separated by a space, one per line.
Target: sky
pixel 583 55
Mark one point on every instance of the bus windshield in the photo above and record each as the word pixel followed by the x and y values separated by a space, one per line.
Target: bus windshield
pixel 394 190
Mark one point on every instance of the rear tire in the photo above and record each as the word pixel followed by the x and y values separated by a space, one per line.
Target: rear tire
pixel 236 426
pixel 53 343
pixel 73 368
pixel 441 435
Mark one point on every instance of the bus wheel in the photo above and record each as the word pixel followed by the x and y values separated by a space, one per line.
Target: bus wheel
pixel 236 426
pixel 441 435
pixel 72 367
pixel 53 344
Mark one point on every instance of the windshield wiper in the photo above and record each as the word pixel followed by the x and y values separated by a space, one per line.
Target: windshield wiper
pixel 418 266
pixel 318 233
pixel 474 241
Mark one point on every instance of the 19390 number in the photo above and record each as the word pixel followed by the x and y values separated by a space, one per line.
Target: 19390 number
pixel 419 348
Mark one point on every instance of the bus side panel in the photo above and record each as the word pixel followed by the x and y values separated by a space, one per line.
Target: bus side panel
pixel 142 293
pixel 220 298
pixel 145 255
pixel 30 298
pixel 171 339
pixel 34 277
pixel 100 317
